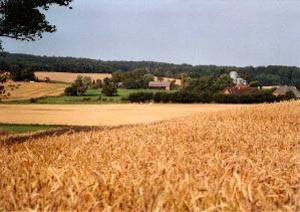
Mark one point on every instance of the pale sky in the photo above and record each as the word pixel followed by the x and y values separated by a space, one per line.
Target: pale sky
pixel 228 32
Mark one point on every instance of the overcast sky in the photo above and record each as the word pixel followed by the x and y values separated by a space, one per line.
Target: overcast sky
pixel 229 32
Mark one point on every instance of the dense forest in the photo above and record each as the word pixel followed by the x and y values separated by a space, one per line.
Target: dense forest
pixel 266 75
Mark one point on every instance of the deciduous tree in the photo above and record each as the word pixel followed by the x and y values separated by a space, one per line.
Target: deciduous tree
pixel 109 88
pixel 25 19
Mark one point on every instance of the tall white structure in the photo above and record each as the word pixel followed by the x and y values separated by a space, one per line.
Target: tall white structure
pixel 236 79
pixel 234 75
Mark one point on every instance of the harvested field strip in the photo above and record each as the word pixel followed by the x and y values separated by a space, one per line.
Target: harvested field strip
pixel 107 115
pixel 237 160
pixel 21 90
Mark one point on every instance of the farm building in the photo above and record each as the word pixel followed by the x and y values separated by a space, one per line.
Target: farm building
pixel 160 85
pixel 236 90
pixel 282 90
pixel 266 87
pixel 241 81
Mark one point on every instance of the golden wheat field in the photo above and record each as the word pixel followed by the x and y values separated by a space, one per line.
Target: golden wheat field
pixel 167 79
pixel 104 114
pixel 27 90
pixel 68 76
pixel 244 159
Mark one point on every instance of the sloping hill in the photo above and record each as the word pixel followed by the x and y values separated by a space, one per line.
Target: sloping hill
pixel 241 159
pixel 266 75
pixel 26 90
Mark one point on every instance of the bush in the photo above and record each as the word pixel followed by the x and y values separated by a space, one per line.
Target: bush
pixel 33 100
pixel 78 88
pixel 290 95
pixel 181 97
pixel 71 91
pixel 161 97
pixel 86 99
pixel 255 84
pixel 109 88
pixel 259 97
pixel 140 97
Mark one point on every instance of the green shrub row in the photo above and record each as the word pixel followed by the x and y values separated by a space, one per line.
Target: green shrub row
pixel 189 97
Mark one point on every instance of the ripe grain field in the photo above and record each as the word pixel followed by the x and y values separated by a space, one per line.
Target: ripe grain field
pixel 244 159
pixel 68 77
pixel 104 114
pixel 26 90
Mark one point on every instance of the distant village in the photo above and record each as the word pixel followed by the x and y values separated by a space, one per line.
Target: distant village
pixel 187 89
pixel 241 86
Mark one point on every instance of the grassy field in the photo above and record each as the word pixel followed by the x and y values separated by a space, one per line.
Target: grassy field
pixel 91 96
pixel 16 91
pixel 68 77
pixel 237 160
pixel 103 114
pixel 25 128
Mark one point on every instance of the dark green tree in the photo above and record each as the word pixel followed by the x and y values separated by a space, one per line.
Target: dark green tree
pixel 71 91
pixel 117 76
pixel 290 95
pixel 20 73
pixel 255 84
pixel 25 20
pixel 109 88
pixel 146 79
pixel 221 83
pixel 78 88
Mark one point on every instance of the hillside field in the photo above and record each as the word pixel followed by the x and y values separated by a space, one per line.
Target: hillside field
pixel 104 114
pixel 242 159
pixel 26 90
pixel 68 77
pixel 167 79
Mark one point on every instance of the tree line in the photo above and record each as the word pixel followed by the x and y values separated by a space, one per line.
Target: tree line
pixel 211 89
pixel 265 75
pixel 190 97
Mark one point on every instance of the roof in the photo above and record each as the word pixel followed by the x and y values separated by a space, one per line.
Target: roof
pixel 270 86
pixel 282 90
pixel 159 84
pixel 236 90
